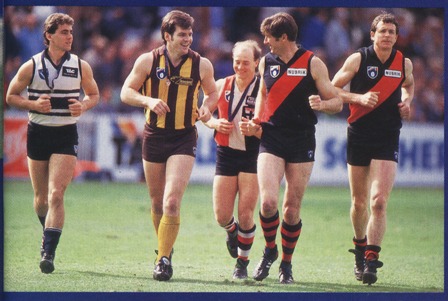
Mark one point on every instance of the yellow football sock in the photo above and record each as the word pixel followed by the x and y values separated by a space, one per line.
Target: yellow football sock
pixel 168 230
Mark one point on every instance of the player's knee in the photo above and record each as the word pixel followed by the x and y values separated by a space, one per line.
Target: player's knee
pixel 157 207
pixel 269 207
pixel 222 219
pixel 56 197
pixel 359 206
pixel 40 201
pixel 379 205
pixel 290 214
pixel 171 207
pixel 245 219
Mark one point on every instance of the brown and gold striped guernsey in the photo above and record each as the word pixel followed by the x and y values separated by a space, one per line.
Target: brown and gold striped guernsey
pixel 177 86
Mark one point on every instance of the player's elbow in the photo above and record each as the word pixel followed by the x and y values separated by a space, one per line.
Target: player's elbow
pixel 124 95
pixel 340 105
pixel 10 100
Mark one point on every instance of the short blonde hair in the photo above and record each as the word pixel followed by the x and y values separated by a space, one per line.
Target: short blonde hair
pixel 249 44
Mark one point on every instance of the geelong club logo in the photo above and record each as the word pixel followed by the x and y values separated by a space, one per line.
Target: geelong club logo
pixel 42 73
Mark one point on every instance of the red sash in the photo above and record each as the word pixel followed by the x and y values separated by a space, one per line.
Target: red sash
pixel 386 86
pixel 284 85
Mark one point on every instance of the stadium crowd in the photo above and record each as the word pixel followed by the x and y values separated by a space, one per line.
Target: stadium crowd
pixel 111 38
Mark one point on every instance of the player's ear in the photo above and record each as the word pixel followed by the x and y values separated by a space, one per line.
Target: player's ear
pixel 166 36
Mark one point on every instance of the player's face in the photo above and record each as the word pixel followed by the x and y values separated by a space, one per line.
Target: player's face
pixel 180 41
pixel 385 35
pixel 63 37
pixel 273 43
pixel 244 64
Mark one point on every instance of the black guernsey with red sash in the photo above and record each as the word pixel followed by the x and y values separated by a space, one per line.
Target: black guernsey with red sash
pixel 385 78
pixel 288 87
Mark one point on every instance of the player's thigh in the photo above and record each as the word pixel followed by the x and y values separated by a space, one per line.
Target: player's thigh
pixel 359 180
pixel 297 176
pixel 61 170
pixel 248 191
pixel 155 181
pixel 270 171
pixel 383 177
pixel 178 172
pixel 247 200
pixel 39 177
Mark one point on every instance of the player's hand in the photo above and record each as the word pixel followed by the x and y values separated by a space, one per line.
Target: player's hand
pixel 315 102
pixel 43 104
pixel 204 114
pixel 256 120
pixel 405 110
pixel 248 127
pixel 370 99
pixel 158 106
pixel 224 126
pixel 75 107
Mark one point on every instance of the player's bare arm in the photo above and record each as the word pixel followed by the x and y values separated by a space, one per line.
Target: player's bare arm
pixel 92 94
pixel 345 75
pixel 221 125
pixel 18 84
pixel 130 91
pixel 253 127
pixel 209 87
pixel 261 95
pixel 407 91
pixel 328 100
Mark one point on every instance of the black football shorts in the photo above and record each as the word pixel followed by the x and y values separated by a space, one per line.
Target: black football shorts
pixel 230 162
pixel 43 141
pixel 363 147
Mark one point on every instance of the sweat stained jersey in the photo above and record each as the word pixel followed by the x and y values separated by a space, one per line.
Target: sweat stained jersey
pixel 177 86
pixel 60 82
pixel 385 78
pixel 288 87
pixel 233 105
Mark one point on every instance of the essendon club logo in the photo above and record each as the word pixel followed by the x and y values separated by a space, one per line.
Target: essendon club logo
pixel 372 71
pixel 160 72
pixel 274 71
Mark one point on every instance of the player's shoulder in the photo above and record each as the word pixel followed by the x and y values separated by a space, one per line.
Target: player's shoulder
pixel 145 59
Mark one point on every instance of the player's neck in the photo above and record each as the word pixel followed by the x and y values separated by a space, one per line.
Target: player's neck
pixel 288 52
pixel 174 56
pixel 242 83
pixel 55 55
pixel 382 54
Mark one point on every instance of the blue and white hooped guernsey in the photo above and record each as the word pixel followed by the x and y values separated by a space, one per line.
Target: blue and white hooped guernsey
pixel 61 82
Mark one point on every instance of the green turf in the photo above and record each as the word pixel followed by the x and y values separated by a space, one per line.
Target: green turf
pixel 108 244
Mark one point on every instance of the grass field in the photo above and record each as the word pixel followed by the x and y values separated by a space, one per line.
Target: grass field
pixel 108 244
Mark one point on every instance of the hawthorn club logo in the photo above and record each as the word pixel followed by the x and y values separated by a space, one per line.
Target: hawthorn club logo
pixel 161 73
